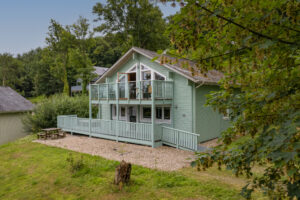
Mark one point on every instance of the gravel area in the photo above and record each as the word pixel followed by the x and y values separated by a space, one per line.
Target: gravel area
pixel 161 158
pixel 210 143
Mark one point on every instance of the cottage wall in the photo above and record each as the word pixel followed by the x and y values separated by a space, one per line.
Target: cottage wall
pixel 209 123
pixel 11 127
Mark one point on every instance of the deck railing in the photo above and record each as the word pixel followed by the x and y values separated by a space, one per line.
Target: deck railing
pixel 132 90
pixel 179 138
pixel 140 133
pixel 116 130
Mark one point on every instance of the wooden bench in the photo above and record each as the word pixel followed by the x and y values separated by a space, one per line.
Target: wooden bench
pixel 61 134
pixel 41 135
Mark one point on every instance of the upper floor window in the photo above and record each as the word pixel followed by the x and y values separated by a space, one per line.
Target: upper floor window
pixel 157 76
pixel 150 74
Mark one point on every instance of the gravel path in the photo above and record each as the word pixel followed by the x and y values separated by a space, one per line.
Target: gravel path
pixel 161 158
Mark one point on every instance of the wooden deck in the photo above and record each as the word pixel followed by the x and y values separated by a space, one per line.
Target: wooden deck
pixel 138 133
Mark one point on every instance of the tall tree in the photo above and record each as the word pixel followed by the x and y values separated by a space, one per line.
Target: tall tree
pixel 60 41
pixel 9 70
pixel 136 22
pixel 256 45
pixel 79 57
pixel 107 50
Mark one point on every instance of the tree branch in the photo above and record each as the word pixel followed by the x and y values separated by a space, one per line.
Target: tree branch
pixel 248 29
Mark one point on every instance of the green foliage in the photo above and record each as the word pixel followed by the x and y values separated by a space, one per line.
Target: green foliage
pixel 256 45
pixel 10 71
pixel 134 22
pixel 75 164
pixel 107 50
pixel 45 114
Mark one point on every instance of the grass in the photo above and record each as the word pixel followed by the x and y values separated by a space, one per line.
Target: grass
pixel 38 99
pixel 30 170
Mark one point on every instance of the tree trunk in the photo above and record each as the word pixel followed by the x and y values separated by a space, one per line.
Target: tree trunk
pixel 123 172
pixel 84 84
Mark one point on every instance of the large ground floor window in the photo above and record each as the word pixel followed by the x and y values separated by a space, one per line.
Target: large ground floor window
pixel 130 113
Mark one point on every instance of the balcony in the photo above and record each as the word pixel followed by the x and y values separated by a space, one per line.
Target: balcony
pixel 137 92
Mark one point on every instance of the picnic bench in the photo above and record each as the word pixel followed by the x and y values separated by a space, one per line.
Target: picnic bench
pixel 52 133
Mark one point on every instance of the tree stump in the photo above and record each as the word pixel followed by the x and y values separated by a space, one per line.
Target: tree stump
pixel 123 172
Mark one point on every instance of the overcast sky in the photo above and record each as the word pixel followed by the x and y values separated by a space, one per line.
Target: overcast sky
pixel 24 23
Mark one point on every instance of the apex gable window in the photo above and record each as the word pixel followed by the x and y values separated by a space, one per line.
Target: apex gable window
pixel 148 73
pixel 157 76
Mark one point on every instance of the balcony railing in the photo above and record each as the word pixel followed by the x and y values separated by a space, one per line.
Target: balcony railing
pixel 133 90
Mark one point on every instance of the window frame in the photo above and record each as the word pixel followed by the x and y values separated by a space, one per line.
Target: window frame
pixel 159 121
pixel 114 112
pixel 152 71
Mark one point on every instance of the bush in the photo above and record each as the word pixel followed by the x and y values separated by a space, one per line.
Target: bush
pixel 75 165
pixel 45 113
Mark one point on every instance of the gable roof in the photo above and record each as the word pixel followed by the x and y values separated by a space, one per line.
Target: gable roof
pixel 11 101
pixel 210 78
pixel 100 70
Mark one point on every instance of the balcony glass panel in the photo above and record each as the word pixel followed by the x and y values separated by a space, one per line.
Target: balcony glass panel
pixel 112 91
pixel 94 92
pixel 146 89
pixel 122 90
pixel 132 90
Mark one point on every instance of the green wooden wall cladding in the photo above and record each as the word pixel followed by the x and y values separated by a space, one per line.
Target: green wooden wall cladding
pixel 209 123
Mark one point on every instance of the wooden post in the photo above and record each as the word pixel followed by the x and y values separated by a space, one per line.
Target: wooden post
pixel 172 109
pixel 117 112
pixel 107 90
pixel 177 140
pixel 90 110
pixel 153 112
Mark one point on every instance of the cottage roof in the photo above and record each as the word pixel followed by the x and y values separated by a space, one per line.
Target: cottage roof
pixel 185 67
pixel 11 101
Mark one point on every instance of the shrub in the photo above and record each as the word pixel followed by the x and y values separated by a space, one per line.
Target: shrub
pixel 75 165
pixel 45 113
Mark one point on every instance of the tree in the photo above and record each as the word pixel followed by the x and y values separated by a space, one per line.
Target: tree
pixel 9 70
pixel 136 22
pixel 79 57
pixel 107 50
pixel 60 41
pixel 256 45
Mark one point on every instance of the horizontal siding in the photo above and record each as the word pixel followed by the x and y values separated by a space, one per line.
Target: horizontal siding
pixel 183 117
pixel 105 111
pixel 209 123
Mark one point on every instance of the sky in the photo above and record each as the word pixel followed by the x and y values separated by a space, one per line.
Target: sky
pixel 24 23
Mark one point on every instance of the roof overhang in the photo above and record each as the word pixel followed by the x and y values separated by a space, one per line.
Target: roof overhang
pixel 128 55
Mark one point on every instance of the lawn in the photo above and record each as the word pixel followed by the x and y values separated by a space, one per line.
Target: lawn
pixel 30 170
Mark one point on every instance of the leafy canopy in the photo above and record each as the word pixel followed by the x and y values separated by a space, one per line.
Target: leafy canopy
pixel 135 22
pixel 256 45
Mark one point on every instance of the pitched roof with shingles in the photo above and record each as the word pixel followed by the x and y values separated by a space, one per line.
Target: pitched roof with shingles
pixel 100 70
pixel 185 67
pixel 11 101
